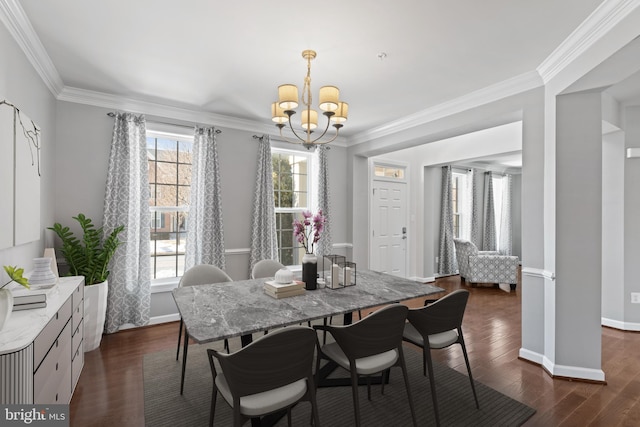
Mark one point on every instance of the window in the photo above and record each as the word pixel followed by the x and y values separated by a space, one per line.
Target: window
pixel 498 192
pixel 291 193
pixel 389 172
pixel 461 198
pixel 170 180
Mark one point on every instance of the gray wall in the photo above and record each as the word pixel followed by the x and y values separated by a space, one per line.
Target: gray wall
pixel 84 137
pixel 613 225
pixel 22 86
pixel 631 217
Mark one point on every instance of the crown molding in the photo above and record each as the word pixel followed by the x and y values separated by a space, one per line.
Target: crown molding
pixel 601 21
pixel 132 105
pixel 506 88
pixel 105 100
pixel 13 16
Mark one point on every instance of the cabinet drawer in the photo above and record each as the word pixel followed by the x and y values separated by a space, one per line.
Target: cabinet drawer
pixel 76 366
pixel 78 314
pixel 78 296
pixel 56 392
pixel 50 333
pixel 76 339
pixel 51 380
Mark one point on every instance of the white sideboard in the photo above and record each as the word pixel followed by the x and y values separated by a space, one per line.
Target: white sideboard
pixel 41 353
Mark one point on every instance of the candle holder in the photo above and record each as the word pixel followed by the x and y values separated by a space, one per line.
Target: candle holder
pixel 348 273
pixel 328 263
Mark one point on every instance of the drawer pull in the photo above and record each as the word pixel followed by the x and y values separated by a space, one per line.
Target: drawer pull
pixel 56 397
pixel 57 314
pixel 56 343
pixel 56 366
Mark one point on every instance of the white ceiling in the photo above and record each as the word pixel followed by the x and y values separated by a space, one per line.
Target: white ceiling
pixel 228 57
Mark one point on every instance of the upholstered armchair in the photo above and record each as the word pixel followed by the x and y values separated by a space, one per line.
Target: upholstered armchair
pixel 485 266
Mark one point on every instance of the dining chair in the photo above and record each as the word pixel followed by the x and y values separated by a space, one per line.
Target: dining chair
pixel 370 346
pixel 265 268
pixel 201 274
pixel 271 374
pixel 435 326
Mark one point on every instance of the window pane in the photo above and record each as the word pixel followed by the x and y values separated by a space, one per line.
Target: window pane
pixel 166 172
pixel 184 174
pixel 185 149
pixel 166 195
pixel 286 199
pixel 152 172
pixel 184 194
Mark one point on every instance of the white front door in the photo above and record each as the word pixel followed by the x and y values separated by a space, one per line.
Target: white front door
pixel 389 228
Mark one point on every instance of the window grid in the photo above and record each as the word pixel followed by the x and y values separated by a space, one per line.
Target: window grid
pixel 170 180
pixel 455 199
pixel 291 187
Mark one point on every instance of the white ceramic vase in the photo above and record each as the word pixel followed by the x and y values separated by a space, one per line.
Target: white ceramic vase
pixel 95 309
pixel 310 271
pixel 6 306
pixel 42 274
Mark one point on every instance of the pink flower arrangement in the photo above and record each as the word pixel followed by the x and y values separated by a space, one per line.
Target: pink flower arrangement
pixel 307 232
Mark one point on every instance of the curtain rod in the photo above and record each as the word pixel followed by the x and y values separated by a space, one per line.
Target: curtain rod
pixel 112 114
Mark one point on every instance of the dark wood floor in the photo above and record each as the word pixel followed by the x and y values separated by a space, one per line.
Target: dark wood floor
pixel 110 390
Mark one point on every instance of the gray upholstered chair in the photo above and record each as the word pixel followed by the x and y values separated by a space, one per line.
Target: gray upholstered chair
pixel 435 326
pixel 265 268
pixel 370 346
pixel 485 266
pixel 201 274
pixel 269 375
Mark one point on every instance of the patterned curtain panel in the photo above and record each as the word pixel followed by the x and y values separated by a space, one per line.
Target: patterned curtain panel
pixel 205 236
pixel 264 240
pixel 505 245
pixel 325 244
pixel 447 256
pixel 127 202
pixel 489 238
pixel 476 209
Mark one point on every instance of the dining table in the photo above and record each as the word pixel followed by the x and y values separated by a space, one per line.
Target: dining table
pixel 240 308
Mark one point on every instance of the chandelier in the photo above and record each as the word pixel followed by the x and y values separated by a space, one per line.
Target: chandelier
pixel 332 108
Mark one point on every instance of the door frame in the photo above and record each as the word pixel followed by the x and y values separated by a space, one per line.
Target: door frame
pixel 407 181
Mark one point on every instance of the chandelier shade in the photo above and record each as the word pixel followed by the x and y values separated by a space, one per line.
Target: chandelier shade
pixel 340 115
pixel 288 97
pixel 334 110
pixel 329 98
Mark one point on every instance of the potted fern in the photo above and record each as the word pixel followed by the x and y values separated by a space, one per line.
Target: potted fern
pixel 89 257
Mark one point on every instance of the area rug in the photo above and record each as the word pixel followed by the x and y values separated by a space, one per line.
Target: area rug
pixel 164 406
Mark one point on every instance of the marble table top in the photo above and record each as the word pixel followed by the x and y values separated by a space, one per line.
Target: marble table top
pixel 224 310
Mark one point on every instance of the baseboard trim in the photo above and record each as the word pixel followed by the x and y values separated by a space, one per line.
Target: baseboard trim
pixel 530 356
pixel 623 326
pixel 156 320
pixel 573 372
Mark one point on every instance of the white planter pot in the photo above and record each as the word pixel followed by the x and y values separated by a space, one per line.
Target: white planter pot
pixel 95 308
pixel 6 306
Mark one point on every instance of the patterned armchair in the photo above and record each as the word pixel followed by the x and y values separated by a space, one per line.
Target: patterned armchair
pixel 485 266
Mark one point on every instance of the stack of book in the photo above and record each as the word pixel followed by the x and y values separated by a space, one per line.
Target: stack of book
pixel 28 300
pixel 283 290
